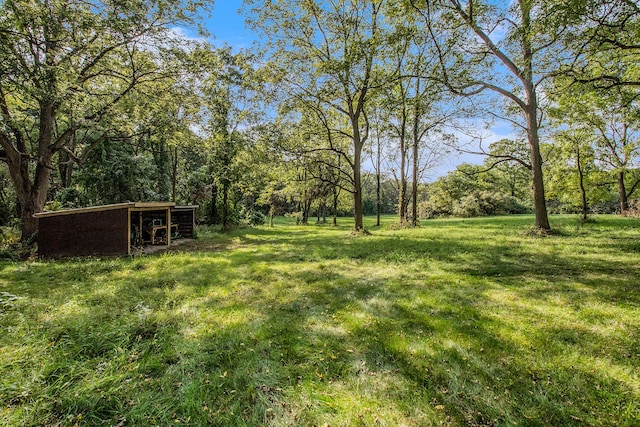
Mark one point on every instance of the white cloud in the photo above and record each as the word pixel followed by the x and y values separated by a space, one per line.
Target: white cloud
pixel 236 43
pixel 183 34
pixel 173 36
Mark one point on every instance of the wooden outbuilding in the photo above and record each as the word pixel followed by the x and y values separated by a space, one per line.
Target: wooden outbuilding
pixel 112 229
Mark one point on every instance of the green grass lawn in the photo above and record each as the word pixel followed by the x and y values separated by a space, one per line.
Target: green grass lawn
pixel 458 322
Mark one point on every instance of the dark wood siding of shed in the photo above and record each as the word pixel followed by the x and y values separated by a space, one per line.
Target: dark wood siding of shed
pixel 89 233
pixel 185 218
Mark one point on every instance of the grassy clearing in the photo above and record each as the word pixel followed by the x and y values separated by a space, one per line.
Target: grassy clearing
pixel 459 322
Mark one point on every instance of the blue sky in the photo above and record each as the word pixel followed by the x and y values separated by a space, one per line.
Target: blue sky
pixel 226 25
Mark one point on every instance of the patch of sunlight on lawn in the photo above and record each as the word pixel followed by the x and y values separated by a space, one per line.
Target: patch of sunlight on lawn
pixel 458 322
pixel 601 367
pixel 367 397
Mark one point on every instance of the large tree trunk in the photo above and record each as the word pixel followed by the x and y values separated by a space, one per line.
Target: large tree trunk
pixel 272 212
pixel 583 191
pixel 324 212
pixel 29 206
pixel 378 184
pixel 65 168
pixel 624 204
pixel 378 199
pixel 225 204
pixel 358 212
pixel 414 186
pixel 305 203
pixel 174 174
pixel 335 205
pixel 402 187
pixel 18 165
pixel 29 222
pixel 32 195
pixel 213 213
pixel 19 171
pixel 336 194
pixel 539 203
pixel 306 208
pixel 531 113
pixel 529 106
pixel 416 153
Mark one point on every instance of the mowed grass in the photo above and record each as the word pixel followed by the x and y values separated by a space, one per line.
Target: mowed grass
pixel 458 322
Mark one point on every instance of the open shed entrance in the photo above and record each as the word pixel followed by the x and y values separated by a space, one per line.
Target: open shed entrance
pixel 152 227
pixel 113 229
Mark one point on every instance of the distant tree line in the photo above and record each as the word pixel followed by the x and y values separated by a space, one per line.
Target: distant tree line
pixel 347 108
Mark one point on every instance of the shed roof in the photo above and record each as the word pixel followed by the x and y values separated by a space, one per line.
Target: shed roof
pixel 130 205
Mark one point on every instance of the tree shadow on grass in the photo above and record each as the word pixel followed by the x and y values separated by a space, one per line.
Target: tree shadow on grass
pixel 447 362
pixel 510 262
pixel 273 332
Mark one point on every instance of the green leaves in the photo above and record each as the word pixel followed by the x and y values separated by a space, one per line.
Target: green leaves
pixel 65 65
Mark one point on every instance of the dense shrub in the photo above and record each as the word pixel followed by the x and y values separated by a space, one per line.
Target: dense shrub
pixel 478 203
pixel 434 207
pixel 608 207
pixel 493 203
pixel 11 247
pixel 251 217
pixel 467 207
